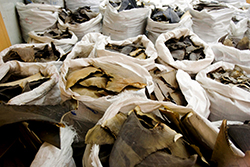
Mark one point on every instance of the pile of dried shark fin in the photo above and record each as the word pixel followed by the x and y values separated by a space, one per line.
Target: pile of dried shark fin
pixel 24 128
pixel 236 76
pixel 135 50
pixel 14 84
pixel 209 6
pixel 166 87
pixel 126 5
pixel 170 15
pixel 56 34
pixel 241 44
pixel 33 54
pixel 144 139
pixel 102 79
pixel 184 49
pixel 81 15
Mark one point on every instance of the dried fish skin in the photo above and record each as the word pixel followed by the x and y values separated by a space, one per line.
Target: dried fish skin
pixel 131 148
pixel 76 75
pixel 223 155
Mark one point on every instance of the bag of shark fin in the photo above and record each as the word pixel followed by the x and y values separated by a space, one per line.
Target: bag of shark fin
pixel 227 87
pixel 213 17
pixel 165 19
pixel 124 19
pixel 36 17
pixel 29 83
pixel 64 38
pixel 81 21
pixel 137 49
pixel 33 53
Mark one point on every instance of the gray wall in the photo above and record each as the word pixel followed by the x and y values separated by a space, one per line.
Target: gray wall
pixel 9 14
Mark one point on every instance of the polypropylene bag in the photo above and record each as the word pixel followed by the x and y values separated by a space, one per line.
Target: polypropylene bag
pixel 101 104
pixel 150 50
pixel 36 17
pixel 49 155
pixel 47 93
pixel 51 2
pixel 194 93
pixel 65 43
pixel 81 50
pixel 75 4
pixel 81 29
pixel 126 104
pixel 211 25
pixel 191 67
pixel 124 24
pixel 227 101
pixel 154 28
pixel 238 30
pixel 230 54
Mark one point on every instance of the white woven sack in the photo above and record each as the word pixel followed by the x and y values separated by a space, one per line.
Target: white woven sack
pixel 211 25
pixel 45 94
pixel 238 30
pixel 154 28
pixel 93 25
pixel 124 105
pixel 225 98
pixel 124 24
pixel 150 50
pixel 188 66
pixel 66 43
pixel 36 17
pixel 223 107
pixel 49 155
pixel 81 50
pixel 51 2
pixel 75 4
pixel 230 54
pixel 102 103
pixel 194 93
